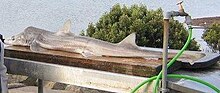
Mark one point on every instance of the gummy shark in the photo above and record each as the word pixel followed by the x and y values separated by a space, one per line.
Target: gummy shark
pixel 64 40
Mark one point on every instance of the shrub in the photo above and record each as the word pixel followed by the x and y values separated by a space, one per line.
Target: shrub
pixel 212 36
pixel 115 25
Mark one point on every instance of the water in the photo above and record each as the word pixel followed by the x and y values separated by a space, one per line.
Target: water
pixel 197 34
pixel 16 15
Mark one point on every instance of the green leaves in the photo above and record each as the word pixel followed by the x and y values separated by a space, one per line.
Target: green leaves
pixel 115 25
pixel 212 36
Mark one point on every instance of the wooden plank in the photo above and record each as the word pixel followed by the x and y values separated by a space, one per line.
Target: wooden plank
pixel 130 66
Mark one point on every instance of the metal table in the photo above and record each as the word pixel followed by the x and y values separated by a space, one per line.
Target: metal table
pixel 85 74
pixel 102 80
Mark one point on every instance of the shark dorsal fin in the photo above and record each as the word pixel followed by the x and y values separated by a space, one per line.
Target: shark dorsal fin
pixel 129 41
pixel 65 29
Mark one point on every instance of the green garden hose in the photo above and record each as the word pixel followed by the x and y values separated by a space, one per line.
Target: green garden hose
pixel 174 59
pixel 175 76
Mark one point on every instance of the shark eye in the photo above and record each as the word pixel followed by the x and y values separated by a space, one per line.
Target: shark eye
pixel 13 38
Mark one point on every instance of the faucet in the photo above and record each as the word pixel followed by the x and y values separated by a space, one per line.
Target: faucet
pixel 167 16
pixel 181 12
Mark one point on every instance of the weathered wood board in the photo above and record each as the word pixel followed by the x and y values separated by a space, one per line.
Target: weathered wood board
pixel 130 66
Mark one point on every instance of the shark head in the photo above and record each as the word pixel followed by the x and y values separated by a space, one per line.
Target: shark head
pixel 19 39
pixel 24 38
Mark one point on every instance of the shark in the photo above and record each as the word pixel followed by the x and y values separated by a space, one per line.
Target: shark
pixel 64 40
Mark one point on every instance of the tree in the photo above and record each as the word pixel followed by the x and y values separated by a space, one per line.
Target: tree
pixel 115 25
pixel 212 36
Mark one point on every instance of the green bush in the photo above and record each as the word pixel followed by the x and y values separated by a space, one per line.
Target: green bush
pixel 115 25
pixel 212 36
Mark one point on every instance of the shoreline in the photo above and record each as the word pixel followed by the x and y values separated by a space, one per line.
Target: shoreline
pixel 205 21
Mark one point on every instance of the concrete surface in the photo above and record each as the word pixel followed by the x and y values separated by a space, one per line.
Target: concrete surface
pixel 33 89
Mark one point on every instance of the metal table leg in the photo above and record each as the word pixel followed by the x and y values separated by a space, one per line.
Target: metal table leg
pixel 40 86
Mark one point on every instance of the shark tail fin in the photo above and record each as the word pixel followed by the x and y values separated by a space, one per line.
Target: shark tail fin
pixel 129 41
pixel 65 29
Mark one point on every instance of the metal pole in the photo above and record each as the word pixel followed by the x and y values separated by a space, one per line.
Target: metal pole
pixel 40 86
pixel 165 55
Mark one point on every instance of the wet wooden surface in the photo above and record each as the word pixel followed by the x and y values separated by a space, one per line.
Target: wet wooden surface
pixel 130 66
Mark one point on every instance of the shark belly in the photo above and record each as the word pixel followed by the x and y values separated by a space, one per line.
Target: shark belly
pixel 54 42
pixel 108 49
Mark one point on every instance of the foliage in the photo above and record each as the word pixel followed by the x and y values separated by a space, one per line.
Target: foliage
pixel 212 36
pixel 115 25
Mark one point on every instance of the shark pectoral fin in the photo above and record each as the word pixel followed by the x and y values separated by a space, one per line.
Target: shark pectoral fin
pixel 87 54
pixel 129 41
pixel 36 47
pixel 65 30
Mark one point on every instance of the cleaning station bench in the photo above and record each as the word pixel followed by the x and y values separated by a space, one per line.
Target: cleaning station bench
pixel 103 73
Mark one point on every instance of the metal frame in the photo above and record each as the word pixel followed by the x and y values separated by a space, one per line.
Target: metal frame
pixel 102 80
pixel 40 86
pixel 89 78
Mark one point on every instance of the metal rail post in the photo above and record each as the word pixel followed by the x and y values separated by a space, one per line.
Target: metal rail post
pixel 165 55
pixel 40 86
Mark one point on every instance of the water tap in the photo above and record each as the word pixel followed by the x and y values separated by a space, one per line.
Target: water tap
pixel 181 12
pixel 180 6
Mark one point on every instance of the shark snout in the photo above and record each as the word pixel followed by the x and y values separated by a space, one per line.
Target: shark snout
pixel 9 41
pixel 14 40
